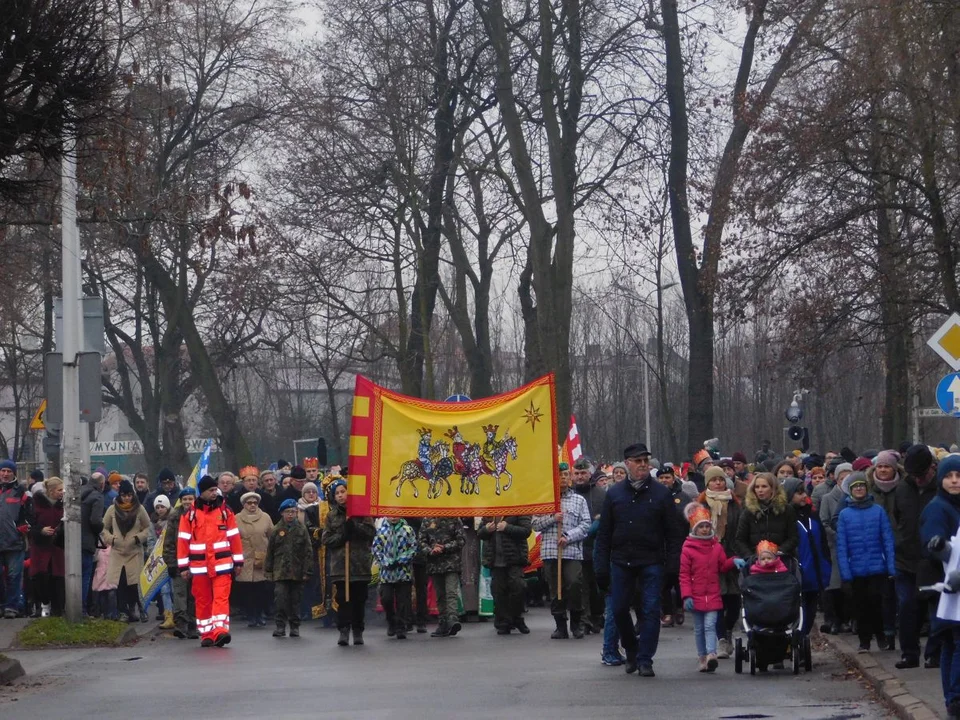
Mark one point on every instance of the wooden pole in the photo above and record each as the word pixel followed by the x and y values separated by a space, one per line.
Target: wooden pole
pixel 346 575
pixel 560 573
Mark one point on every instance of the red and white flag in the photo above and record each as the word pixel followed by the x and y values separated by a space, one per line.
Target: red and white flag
pixel 571 446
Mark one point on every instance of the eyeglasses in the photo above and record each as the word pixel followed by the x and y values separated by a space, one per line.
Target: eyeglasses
pixel 251 502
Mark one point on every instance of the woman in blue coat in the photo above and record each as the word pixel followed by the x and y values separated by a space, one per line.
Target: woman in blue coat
pixel 939 523
pixel 812 550
pixel 865 556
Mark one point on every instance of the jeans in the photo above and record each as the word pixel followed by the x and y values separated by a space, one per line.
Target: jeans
pixel 950 665
pixel 12 562
pixel 623 582
pixel 705 632
pixel 611 635
pixel 906 585
pixel 86 575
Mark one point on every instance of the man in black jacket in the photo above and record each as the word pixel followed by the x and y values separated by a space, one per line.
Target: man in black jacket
pixel 639 528
pixel 91 523
pixel 911 496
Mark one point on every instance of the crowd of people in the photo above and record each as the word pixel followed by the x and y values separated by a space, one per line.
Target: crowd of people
pixel 636 546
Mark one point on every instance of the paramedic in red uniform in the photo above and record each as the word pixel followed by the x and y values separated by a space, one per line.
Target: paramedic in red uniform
pixel 209 545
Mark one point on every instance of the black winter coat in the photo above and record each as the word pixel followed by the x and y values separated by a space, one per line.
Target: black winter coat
pixel 638 527
pixel 778 524
pixel 909 502
pixel 91 518
pixel 512 540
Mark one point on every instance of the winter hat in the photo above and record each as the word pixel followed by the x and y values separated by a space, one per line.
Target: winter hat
pixel 689 488
pixel 206 482
pixel 249 496
pixel 164 475
pixel 114 477
pixel 36 475
pixel 310 486
pixel 842 468
pixel 887 457
pixel 8 465
pixel 715 472
pixel 765 546
pixel 619 464
pixel 696 514
pixel 950 463
pixel 791 486
pixel 187 491
pixel 861 464
pixel 917 460
pixel 739 457
pixel 298 473
pixel 161 500
pixel 854 478
pixel 332 489
pixel 288 504
pixel 126 487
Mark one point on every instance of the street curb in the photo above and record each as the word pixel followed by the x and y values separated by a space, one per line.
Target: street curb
pixel 10 670
pixel 905 705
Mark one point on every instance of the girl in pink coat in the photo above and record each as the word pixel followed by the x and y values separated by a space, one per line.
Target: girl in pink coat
pixel 701 563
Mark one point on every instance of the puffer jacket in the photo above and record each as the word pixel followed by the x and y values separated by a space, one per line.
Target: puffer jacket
pixel 446 532
pixel 359 532
pixel 702 562
pixel 864 540
pixel 776 523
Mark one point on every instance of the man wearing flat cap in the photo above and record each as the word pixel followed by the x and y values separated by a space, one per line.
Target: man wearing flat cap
pixel 639 528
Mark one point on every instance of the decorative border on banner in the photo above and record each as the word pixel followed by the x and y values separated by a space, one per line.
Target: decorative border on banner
pixel 366 430
pixel 386 511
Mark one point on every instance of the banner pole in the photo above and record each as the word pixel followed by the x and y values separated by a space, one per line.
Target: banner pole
pixel 560 574
pixel 346 575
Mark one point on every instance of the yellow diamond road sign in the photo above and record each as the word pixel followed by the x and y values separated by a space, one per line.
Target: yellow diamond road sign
pixel 946 342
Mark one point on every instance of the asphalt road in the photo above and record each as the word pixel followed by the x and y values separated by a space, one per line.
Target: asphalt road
pixel 475 675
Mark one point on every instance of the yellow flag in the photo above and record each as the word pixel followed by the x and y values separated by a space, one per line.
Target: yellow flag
pixel 414 457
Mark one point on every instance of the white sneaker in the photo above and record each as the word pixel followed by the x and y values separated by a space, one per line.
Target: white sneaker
pixel 45 610
pixel 724 649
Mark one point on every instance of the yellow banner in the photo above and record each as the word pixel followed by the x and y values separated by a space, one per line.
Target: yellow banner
pixel 414 457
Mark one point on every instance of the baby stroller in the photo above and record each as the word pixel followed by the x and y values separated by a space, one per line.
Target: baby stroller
pixel 772 615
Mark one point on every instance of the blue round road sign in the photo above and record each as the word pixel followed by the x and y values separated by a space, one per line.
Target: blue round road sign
pixel 458 398
pixel 948 394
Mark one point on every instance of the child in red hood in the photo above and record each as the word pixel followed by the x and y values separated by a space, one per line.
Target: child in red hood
pixel 767 559
pixel 701 563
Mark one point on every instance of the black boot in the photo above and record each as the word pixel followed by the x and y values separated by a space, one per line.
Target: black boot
pixel 521 625
pixel 576 628
pixel 281 630
pixel 441 631
pixel 344 637
pixel 561 632
pixel 294 631
pixel 631 664
pixel 357 637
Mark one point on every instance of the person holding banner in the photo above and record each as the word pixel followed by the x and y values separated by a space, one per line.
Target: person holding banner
pixel 348 542
pixel 505 554
pixel 562 542
pixel 639 528
pixel 208 544
pixel 184 611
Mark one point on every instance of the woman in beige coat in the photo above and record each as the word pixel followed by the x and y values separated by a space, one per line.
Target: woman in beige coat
pixel 253 590
pixel 126 527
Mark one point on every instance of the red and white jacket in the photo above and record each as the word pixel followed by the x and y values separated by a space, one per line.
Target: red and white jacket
pixel 208 541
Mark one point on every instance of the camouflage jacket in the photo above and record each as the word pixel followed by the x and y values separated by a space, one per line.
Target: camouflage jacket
pixel 289 553
pixel 359 531
pixel 169 552
pixel 446 532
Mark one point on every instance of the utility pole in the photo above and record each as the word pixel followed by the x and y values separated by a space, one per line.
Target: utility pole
pixel 72 435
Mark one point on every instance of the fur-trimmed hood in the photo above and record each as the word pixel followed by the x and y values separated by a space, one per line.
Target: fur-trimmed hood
pixel 779 502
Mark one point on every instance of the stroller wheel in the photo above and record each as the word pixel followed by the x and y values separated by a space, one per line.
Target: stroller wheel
pixel 738 654
pixel 807 655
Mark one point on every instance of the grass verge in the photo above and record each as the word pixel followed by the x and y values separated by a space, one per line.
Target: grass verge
pixel 57 632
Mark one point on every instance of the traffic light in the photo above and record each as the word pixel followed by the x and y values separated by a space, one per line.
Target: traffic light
pixel 322 452
pixel 798 434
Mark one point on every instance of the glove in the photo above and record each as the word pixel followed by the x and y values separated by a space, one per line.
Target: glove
pixel 23 529
pixel 739 563
pixel 603 581
pixel 688 604
pixel 939 548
